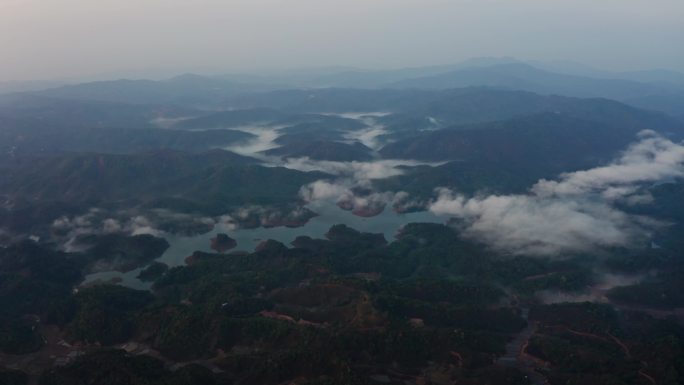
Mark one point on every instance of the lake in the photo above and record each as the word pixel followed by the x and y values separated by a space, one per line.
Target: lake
pixel 387 223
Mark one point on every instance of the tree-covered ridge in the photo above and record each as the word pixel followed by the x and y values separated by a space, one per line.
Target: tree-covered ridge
pixel 38 191
pixel 432 306
pixel 351 308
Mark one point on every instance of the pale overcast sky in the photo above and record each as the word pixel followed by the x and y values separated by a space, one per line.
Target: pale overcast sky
pixel 42 39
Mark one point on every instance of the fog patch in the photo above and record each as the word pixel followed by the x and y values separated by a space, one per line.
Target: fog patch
pixel 362 116
pixel 550 297
pixel 369 137
pixel 140 225
pixel 165 122
pixel 254 216
pixel 352 187
pixel 362 172
pixel 324 190
pixel 573 214
pixel 595 293
pixel 264 140
pixel 528 224
pixel 111 225
pixel 403 202
pixel 652 159
pixel 96 222
pixel 348 196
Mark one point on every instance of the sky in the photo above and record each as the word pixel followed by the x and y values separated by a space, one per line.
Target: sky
pixel 58 39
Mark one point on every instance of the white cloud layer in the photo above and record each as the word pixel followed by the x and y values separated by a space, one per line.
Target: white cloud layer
pixel 342 192
pixel 361 172
pixel 652 159
pixel 369 136
pixel 264 139
pixel 575 213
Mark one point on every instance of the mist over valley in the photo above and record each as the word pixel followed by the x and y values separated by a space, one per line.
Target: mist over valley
pixel 319 193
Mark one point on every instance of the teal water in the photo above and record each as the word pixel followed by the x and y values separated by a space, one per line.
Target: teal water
pixel 387 223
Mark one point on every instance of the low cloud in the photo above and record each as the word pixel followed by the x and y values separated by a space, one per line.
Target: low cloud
pixel 353 188
pixel 369 137
pixel 652 159
pixel 594 293
pixel 256 216
pixel 264 139
pixel 402 202
pixel 111 225
pixel 575 213
pixel 140 225
pixel 324 190
pixel 361 172
pixel 529 224
pixel 97 222
pixel 347 196
pixel 350 177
